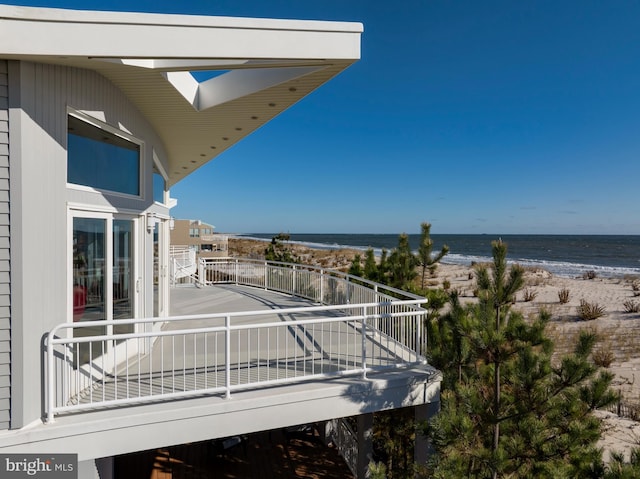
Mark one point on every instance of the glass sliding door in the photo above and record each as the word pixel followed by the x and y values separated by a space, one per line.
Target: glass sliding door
pixel 89 247
pixel 88 269
pixel 123 273
pixel 104 277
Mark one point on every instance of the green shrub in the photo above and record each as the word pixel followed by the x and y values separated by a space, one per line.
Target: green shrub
pixel 588 311
pixel 563 295
pixel 631 306
pixel 603 356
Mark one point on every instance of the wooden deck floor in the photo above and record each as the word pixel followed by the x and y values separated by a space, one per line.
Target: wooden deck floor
pixel 266 455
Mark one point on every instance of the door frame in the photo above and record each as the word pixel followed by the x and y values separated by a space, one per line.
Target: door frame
pixel 137 290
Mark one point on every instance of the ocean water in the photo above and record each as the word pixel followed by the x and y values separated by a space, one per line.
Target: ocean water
pixel 563 255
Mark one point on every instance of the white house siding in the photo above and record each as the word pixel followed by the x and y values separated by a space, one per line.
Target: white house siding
pixel 40 97
pixel 5 264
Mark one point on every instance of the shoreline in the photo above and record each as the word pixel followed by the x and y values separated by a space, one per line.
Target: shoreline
pixel 561 268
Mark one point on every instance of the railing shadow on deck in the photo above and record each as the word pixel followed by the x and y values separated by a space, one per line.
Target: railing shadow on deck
pixel 355 327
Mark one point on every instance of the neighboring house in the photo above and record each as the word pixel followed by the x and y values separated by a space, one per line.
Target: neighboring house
pixel 99 117
pixel 199 236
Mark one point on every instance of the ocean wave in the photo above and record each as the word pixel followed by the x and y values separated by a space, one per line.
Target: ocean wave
pixel 308 244
pixel 559 268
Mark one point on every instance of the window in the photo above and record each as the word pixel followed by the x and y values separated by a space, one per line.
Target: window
pixel 194 232
pixel 101 159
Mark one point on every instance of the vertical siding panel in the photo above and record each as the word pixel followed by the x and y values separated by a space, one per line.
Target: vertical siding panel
pixel 46 91
pixel 5 297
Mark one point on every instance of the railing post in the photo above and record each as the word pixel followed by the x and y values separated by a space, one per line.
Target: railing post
pixel 50 381
pixel 364 342
pixel 201 274
pixel 377 311
pixel 347 287
pixel 266 275
pixel 321 286
pixel 227 356
pixel 235 271
pixel 418 326
pixel 293 281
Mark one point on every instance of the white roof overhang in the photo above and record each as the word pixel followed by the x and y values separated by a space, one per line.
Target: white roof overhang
pixel 264 67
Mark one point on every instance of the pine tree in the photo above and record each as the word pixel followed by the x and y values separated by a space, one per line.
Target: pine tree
pixel 425 249
pixel 509 411
pixel 356 267
pixel 370 266
pixel 402 264
pixel 279 251
pixel 495 295
pixel 449 342
pixel 383 267
pixel 393 440
pixel 619 468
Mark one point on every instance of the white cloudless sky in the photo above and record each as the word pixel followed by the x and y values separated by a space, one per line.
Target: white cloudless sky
pixel 480 117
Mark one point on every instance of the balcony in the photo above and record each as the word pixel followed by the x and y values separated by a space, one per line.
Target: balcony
pixel 256 346
pixel 336 326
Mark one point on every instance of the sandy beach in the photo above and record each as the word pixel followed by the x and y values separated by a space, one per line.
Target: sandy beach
pixel 617 329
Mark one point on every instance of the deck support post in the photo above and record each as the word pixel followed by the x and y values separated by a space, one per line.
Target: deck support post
pixel 365 444
pixel 423 447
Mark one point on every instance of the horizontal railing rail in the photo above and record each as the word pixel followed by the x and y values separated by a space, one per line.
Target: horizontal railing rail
pixel 315 283
pixel 217 354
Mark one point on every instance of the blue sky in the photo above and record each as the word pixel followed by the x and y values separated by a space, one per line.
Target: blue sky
pixel 480 117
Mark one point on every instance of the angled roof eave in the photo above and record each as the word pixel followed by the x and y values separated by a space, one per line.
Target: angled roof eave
pixel 269 65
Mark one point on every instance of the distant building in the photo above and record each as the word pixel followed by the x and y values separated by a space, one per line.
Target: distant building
pixel 199 236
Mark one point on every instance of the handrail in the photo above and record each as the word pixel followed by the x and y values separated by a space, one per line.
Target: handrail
pixel 391 291
pixel 192 276
pixel 120 362
pixel 183 260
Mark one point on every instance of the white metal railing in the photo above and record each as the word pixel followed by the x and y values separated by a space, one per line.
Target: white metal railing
pixel 220 242
pixel 182 263
pixel 216 354
pixel 321 285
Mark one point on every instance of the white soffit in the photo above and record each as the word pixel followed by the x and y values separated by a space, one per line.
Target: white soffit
pixel 264 67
